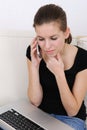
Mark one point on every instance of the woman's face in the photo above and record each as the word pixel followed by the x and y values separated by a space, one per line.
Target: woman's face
pixel 50 38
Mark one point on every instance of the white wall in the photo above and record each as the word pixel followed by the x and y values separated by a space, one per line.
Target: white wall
pixel 18 14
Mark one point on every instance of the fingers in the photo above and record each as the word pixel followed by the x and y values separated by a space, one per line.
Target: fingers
pixel 34 43
pixel 59 58
pixel 35 52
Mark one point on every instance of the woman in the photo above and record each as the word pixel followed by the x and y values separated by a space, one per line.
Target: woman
pixel 58 76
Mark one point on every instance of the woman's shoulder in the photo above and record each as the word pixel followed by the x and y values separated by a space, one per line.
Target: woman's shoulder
pixel 81 58
pixel 82 52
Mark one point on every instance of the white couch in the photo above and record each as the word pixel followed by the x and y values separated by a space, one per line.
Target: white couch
pixel 13 65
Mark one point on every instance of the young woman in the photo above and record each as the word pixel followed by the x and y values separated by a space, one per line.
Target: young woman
pixel 58 76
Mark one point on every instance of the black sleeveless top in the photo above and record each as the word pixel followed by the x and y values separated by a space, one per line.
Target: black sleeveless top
pixel 51 102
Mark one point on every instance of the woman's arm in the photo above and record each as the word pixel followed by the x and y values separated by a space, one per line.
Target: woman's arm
pixel 71 100
pixel 35 92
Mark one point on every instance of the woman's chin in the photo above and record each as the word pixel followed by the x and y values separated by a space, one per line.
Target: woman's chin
pixel 52 55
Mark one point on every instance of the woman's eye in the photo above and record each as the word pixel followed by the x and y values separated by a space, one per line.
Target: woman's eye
pixel 53 38
pixel 40 39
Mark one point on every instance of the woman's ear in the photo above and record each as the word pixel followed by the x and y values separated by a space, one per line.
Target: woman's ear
pixel 67 32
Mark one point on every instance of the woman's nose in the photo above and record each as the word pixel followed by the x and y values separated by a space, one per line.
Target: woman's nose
pixel 47 44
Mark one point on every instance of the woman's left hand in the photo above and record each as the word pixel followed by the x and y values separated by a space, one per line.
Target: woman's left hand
pixel 55 64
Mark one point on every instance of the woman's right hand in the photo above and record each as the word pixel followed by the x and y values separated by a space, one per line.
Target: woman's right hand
pixel 34 57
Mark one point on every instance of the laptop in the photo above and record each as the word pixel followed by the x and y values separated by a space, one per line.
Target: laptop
pixel 34 114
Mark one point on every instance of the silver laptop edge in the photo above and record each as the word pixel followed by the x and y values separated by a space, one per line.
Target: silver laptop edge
pixel 43 119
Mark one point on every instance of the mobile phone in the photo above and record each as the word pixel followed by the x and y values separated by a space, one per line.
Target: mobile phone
pixel 38 51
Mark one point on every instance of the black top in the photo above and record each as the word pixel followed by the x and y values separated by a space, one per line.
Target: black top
pixel 51 102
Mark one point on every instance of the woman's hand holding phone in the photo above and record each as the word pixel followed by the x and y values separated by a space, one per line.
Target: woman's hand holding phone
pixel 35 53
pixel 38 51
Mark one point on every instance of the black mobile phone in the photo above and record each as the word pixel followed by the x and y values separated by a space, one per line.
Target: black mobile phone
pixel 38 51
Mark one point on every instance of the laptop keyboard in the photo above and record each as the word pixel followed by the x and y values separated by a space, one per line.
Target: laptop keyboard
pixel 18 121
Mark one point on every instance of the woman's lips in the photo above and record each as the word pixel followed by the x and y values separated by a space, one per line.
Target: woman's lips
pixel 49 51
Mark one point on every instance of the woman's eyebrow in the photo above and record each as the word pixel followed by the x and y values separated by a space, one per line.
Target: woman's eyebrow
pixel 49 36
pixel 40 37
pixel 53 35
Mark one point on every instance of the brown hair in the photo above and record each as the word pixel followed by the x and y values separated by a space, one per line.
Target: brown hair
pixel 49 13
